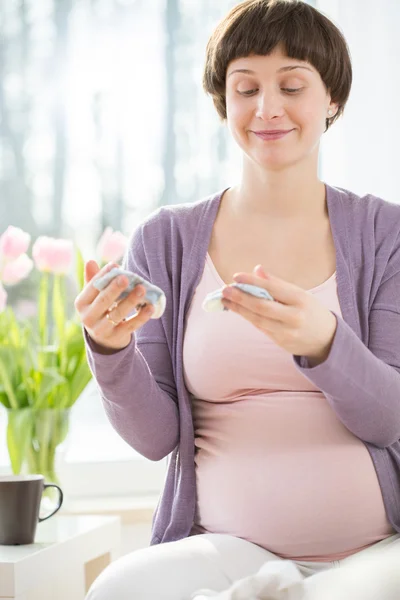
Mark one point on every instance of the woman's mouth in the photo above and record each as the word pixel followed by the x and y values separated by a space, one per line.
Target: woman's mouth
pixel 272 135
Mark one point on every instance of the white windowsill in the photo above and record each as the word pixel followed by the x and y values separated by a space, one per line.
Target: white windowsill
pixel 131 510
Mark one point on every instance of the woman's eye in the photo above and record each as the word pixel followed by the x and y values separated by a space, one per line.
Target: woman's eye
pixel 291 90
pixel 255 90
pixel 248 92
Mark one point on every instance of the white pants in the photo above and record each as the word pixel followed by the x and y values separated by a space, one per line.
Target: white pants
pixel 177 570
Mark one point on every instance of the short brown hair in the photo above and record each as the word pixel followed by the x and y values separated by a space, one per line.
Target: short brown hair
pixel 256 27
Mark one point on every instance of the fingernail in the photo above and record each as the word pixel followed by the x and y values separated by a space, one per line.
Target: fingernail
pixel 227 292
pixel 140 293
pixel 121 281
pixel 261 270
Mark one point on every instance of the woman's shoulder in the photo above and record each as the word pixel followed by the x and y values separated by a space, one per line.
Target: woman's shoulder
pixel 182 219
pixel 186 210
pixel 368 204
pixel 369 213
pixel 370 228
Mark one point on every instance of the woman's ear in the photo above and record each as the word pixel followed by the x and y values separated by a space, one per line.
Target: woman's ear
pixel 334 109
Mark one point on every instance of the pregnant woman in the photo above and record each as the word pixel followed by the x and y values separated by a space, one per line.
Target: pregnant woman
pixel 280 419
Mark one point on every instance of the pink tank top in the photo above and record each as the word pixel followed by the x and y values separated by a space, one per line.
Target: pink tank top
pixel 274 465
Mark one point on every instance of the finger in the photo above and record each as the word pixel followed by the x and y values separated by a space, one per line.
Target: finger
pixel 260 321
pixel 142 316
pixel 280 290
pixel 128 304
pixel 270 309
pixel 89 292
pixel 91 268
pixel 132 323
pixel 109 296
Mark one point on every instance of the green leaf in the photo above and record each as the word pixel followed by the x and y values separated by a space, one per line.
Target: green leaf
pixel 4 398
pixel 50 379
pixel 4 378
pixel 75 342
pixel 79 380
pixel 19 429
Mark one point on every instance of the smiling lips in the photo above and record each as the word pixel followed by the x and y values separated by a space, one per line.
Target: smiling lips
pixel 272 135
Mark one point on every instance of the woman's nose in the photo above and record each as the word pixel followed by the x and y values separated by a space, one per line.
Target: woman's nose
pixel 269 106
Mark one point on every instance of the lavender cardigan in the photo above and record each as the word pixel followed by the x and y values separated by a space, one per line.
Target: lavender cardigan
pixel 142 386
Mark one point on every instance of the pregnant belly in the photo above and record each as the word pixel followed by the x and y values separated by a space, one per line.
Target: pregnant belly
pixel 288 476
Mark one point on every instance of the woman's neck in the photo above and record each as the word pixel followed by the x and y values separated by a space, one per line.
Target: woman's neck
pixel 294 193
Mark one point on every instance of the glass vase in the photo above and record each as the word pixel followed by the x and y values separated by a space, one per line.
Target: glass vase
pixel 33 438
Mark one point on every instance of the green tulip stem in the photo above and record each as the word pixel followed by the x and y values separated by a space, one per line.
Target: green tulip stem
pixel 43 301
pixel 59 316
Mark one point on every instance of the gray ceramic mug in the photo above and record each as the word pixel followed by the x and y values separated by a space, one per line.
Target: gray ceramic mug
pixel 20 497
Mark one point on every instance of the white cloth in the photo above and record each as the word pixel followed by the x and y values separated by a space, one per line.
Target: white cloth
pixel 276 580
pixel 232 568
pixel 373 575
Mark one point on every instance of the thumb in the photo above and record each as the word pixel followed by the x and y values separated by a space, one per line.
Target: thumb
pixel 91 268
pixel 260 272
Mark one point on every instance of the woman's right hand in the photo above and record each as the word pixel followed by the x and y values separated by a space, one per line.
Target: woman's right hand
pixel 93 306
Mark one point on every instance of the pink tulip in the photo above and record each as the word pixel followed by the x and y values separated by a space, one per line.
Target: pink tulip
pixel 25 309
pixel 14 242
pixel 53 255
pixel 16 270
pixel 3 298
pixel 112 245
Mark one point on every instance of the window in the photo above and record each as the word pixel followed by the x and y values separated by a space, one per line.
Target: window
pixel 104 122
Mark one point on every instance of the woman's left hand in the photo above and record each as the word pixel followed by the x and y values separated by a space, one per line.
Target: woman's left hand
pixel 296 321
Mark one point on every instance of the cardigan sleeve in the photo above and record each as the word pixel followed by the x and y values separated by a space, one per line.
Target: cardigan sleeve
pixel 362 383
pixel 137 383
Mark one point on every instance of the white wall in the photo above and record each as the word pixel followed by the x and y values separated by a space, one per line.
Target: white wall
pixel 361 151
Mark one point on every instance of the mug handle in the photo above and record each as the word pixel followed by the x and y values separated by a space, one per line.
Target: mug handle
pixel 60 500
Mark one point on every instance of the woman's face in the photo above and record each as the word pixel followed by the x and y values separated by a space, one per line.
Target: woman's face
pixel 265 93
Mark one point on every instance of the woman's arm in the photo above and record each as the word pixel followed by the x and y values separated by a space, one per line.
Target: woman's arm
pixel 139 396
pixel 362 384
pixel 136 383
